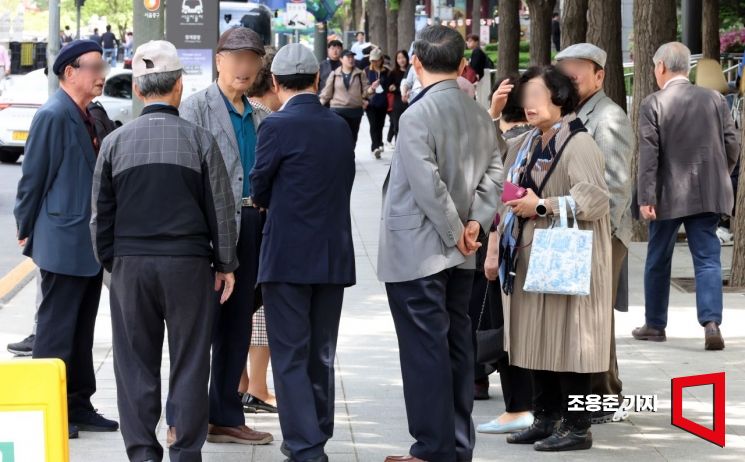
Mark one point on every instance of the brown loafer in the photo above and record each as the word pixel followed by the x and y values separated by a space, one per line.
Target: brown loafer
pixel 649 333
pixel 240 435
pixel 713 340
pixel 408 458
pixel 170 436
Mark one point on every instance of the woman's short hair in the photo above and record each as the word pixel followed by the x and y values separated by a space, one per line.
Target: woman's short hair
pixel 513 110
pixel 563 90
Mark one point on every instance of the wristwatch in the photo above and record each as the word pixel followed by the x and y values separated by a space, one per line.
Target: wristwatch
pixel 541 209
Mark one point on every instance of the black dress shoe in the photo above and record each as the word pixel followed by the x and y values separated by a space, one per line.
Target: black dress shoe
pixel 72 431
pixel 713 340
pixel 649 333
pixel 23 348
pixel 542 427
pixel 481 390
pixel 285 450
pixel 323 458
pixel 92 421
pixel 566 438
pixel 255 405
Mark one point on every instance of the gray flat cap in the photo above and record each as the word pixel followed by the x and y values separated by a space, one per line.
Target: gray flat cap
pixel 294 59
pixel 586 51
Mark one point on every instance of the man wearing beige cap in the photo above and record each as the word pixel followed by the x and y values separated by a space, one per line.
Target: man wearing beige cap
pixel 610 127
pixel 223 109
pixel 307 257
pixel 163 223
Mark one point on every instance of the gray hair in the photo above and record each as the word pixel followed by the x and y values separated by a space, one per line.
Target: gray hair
pixel 157 84
pixel 676 56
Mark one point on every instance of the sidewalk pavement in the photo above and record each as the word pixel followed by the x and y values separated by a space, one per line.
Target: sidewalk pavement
pixel 370 413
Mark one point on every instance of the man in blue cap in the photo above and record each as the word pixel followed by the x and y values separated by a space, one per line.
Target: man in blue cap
pixel 52 211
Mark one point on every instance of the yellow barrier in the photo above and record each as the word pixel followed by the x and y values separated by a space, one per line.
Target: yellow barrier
pixel 33 411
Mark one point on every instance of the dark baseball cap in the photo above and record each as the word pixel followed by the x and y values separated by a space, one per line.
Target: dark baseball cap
pixel 348 53
pixel 240 38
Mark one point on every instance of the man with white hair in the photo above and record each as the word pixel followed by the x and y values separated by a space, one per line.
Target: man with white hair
pixel 687 150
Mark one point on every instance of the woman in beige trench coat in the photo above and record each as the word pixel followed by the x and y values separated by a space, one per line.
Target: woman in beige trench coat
pixel 561 338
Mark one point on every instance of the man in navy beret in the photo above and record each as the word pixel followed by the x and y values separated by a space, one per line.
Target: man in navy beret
pixel 52 211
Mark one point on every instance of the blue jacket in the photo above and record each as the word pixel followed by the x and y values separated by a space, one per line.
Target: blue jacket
pixel 53 205
pixel 305 182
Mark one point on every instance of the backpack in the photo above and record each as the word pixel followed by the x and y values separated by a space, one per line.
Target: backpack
pixel 101 122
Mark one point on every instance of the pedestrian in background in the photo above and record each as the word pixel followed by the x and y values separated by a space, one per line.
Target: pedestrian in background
pixel 687 150
pixel 377 107
pixel 396 77
pixel 346 92
pixel 52 211
pixel 109 42
pixel 331 63
pixel 307 257
pixel 163 224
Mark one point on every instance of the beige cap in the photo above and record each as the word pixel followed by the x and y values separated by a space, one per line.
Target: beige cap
pixel 155 57
pixel 376 54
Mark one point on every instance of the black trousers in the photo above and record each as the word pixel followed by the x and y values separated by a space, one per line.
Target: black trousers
pixel 354 125
pixel 303 326
pixel 436 353
pixel 478 291
pixel 66 321
pixel 398 108
pixel 517 383
pixel 551 392
pixel 147 295
pixel 376 117
pixel 233 322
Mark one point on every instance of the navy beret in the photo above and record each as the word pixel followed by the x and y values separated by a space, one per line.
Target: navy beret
pixel 72 51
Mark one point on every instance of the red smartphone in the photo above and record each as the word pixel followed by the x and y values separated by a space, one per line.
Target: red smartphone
pixel 512 191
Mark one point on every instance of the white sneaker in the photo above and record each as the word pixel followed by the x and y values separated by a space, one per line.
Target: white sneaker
pixel 725 237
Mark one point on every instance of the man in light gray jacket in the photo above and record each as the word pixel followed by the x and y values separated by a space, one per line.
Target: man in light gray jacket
pixel 441 194
pixel 611 129
pixel 224 110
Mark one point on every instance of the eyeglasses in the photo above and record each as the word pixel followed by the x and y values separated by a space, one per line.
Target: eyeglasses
pixel 101 68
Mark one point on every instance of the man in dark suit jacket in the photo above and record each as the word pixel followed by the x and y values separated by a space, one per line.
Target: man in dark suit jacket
pixel 307 257
pixel 687 150
pixel 53 209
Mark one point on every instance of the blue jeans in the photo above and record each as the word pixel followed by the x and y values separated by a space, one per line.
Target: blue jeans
pixel 109 55
pixel 705 250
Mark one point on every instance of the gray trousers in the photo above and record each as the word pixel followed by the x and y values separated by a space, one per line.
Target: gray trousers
pixel 149 294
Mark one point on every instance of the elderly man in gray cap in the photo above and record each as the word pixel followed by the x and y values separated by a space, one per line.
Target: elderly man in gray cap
pixel 610 127
pixel 307 257
pixel 162 223
pixel 224 110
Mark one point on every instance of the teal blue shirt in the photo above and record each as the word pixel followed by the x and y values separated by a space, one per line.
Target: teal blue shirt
pixel 245 134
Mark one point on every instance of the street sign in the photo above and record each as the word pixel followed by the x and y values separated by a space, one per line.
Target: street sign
pixel 296 15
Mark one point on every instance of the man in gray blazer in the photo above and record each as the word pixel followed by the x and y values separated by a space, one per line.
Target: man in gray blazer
pixel 611 129
pixel 687 150
pixel 441 194
pixel 223 109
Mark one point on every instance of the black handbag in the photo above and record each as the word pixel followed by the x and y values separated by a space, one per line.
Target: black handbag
pixel 489 342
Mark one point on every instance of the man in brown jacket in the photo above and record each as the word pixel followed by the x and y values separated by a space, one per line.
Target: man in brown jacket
pixel 687 150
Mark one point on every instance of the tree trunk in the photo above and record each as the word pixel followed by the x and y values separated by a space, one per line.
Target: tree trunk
pixel 508 60
pixel 574 22
pixel 737 279
pixel 358 14
pixel 710 29
pixel 391 45
pixel 540 31
pixel 604 30
pixel 406 10
pixel 376 14
pixel 476 17
pixel 654 24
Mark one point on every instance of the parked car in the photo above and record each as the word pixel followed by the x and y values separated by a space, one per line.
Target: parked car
pixel 25 94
